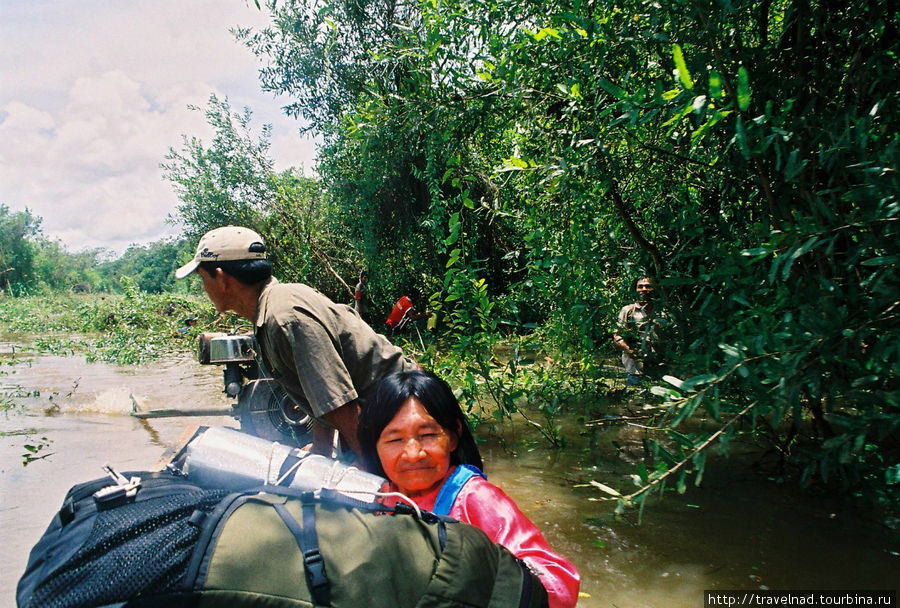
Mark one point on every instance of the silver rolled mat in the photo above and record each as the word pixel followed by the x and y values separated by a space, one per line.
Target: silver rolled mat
pixel 227 458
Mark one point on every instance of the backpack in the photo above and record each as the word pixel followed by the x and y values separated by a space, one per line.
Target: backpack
pixel 163 541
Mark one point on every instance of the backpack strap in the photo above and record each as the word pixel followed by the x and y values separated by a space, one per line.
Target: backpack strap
pixel 450 490
pixel 531 595
pixel 308 541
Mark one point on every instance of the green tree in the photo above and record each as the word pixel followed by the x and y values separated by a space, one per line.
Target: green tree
pixel 58 270
pixel 151 267
pixel 232 181
pixel 16 248
pixel 370 77
pixel 226 182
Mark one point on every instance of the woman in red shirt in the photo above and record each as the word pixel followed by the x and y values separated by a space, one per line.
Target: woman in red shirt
pixel 414 433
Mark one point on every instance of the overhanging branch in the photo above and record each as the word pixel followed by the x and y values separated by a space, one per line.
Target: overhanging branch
pixel 633 230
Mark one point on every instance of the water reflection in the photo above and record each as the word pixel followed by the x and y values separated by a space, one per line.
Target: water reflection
pixel 153 434
pixel 737 531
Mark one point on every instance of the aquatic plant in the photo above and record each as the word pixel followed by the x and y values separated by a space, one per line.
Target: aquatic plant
pixel 125 329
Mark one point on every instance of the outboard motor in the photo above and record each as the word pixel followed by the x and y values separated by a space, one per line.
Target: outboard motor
pixel 263 407
pixel 237 352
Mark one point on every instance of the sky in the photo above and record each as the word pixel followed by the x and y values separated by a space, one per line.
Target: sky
pixel 94 93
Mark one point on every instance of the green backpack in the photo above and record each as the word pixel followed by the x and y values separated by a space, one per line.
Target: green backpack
pixel 173 544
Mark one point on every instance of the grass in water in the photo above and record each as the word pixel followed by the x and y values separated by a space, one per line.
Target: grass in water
pixel 123 329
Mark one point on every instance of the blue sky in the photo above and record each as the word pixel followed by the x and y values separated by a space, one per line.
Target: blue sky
pixel 94 93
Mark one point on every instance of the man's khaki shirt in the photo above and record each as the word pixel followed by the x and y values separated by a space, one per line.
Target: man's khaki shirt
pixel 323 353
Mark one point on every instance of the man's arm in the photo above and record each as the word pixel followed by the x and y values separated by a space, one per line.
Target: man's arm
pixel 618 339
pixel 620 343
pixel 346 420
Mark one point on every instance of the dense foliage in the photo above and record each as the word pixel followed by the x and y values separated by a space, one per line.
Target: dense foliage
pixel 523 161
pixel 151 267
pixel 16 251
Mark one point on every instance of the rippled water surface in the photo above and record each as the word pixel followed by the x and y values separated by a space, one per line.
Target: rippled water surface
pixel 738 531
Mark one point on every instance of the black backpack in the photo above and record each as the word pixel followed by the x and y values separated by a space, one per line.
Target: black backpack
pixel 173 543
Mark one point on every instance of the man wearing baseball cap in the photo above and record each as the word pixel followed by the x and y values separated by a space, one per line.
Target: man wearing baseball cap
pixel 324 355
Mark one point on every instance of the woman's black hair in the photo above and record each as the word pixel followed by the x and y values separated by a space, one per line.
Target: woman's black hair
pixel 248 272
pixel 438 400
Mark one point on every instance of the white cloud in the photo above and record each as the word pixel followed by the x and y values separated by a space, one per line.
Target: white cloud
pixel 94 95
pixel 21 118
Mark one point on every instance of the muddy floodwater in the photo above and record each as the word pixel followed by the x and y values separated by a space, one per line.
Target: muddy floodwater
pixel 739 530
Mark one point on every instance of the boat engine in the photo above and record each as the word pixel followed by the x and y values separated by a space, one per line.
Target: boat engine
pixel 263 407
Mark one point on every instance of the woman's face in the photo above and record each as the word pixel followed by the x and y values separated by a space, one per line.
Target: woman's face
pixel 415 450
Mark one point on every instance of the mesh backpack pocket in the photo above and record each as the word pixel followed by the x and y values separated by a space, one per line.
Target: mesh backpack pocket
pixel 94 554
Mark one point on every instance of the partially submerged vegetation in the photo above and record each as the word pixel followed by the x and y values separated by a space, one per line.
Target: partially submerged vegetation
pixel 516 379
pixel 122 329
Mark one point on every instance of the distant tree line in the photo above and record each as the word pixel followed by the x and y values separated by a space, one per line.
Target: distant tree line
pixel 32 264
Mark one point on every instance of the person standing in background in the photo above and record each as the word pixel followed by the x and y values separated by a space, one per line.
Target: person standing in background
pixel 361 296
pixel 637 335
